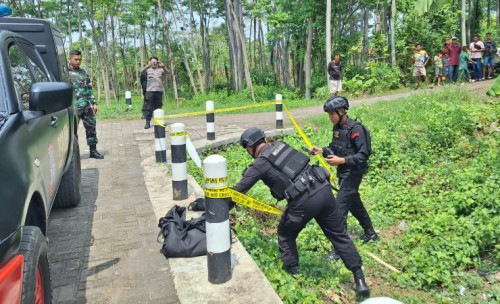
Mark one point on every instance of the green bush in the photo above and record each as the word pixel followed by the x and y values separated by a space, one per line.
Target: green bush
pixel 435 166
pixel 377 77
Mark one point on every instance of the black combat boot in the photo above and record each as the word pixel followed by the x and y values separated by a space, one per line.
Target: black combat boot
pixel 94 153
pixel 293 271
pixel 362 289
pixel 147 125
pixel 370 235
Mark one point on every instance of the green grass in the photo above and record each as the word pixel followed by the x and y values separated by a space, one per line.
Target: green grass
pixel 436 166
pixel 197 104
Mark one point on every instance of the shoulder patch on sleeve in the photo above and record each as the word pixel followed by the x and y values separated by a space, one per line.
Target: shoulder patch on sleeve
pixel 353 136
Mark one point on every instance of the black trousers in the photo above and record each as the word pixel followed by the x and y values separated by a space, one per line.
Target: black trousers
pixel 348 199
pixel 152 101
pixel 319 204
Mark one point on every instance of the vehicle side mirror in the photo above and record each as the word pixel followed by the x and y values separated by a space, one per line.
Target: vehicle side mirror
pixel 50 97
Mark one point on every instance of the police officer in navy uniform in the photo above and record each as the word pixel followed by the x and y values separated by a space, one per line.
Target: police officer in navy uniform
pixel 289 176
pixel 349 151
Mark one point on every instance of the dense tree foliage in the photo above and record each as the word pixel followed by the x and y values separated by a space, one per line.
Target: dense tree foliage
pixel 238 45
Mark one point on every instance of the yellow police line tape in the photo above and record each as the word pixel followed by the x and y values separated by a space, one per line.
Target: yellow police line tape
pixel 183 133
pixel 309 145
pixel 242 199
pixel 159 123
pixel 219 110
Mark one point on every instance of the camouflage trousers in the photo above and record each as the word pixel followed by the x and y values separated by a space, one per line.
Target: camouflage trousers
pixel 87 115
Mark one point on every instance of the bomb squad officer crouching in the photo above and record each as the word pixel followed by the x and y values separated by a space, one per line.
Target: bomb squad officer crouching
pixel 306 188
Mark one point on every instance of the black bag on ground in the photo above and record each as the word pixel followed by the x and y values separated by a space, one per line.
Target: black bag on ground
pixel 182 238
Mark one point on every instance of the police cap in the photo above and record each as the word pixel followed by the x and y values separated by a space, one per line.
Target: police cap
pixel 336 103
pixel 250 136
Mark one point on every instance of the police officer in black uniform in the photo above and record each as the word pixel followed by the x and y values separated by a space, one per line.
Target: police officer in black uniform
pixel 289 176
pixel 349 151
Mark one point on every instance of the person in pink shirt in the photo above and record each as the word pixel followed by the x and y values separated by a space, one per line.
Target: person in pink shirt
pixel 477 48
pixel 453 50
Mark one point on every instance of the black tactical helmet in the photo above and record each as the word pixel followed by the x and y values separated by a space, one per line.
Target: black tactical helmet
pixel 336 103
pixel 250 136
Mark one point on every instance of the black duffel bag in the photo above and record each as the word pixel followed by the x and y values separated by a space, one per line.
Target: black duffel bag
pixel 182 238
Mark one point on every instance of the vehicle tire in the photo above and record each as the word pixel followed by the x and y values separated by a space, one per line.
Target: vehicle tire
pixel 36 275
pixel 68 194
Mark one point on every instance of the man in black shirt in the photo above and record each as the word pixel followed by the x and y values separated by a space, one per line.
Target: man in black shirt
pixel 335 75
pixel 490 51
pixel 307 190
pixel 351 149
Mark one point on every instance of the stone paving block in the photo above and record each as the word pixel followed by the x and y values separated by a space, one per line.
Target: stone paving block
pixel 67 293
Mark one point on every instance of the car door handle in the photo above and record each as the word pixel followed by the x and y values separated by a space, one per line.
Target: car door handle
pixel 54 121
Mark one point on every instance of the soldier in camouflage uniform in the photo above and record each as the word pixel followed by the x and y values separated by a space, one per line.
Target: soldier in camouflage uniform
pixel 85 102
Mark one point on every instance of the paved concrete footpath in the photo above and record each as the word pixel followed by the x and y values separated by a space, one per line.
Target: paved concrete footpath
pixel 105 250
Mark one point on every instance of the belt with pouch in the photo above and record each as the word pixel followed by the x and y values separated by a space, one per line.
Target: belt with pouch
pixel 311 177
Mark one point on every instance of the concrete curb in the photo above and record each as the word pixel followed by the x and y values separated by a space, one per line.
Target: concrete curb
pixel 248 284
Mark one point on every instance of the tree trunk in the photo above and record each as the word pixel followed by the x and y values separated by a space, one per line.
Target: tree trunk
pixel 488 14
pixel 261 43
pixel 112 59
pixel 241 40
pixel 475 17
pixel 70 41
pixel 328 30
pixel 235 46
pixel 123 42
pixel 194 50
pixel 142 45
pixel 469 21
pixel 192 47
pixel 188 71
pixel 286 61
pixel 393 28
pixel 137 65
pixel 498 18
pixel 308 58
pixel 80 29
pixel 462 17
pixel 100 53
pixel 170 54
pixel 254 42
pixel 39 9
pixel 205 49
pixel 366 17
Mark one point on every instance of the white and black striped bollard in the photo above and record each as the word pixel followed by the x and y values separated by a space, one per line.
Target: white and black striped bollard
pixel 217 224
pixel 209 106
pixel 160 142
pixel 128 98
pixel 279 111
pixel 179 166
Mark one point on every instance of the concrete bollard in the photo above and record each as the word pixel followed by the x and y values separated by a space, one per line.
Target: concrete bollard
pixel 128 98
pixel 209 106
pixel 217 224
pixel 160 142
pixel 279 111
pixel 179 166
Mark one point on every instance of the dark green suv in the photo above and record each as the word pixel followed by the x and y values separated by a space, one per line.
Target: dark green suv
pixel 40 157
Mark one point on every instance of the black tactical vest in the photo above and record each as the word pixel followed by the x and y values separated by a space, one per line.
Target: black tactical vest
pixel 288 162
pixel 342 145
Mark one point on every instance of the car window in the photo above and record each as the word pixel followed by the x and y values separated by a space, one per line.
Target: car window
pixel 34 61
pixel 21 74
pixel 58 40
pixel 27 68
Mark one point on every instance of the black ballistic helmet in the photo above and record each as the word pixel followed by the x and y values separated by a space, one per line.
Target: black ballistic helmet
pixel 336 103
pixel 250 136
